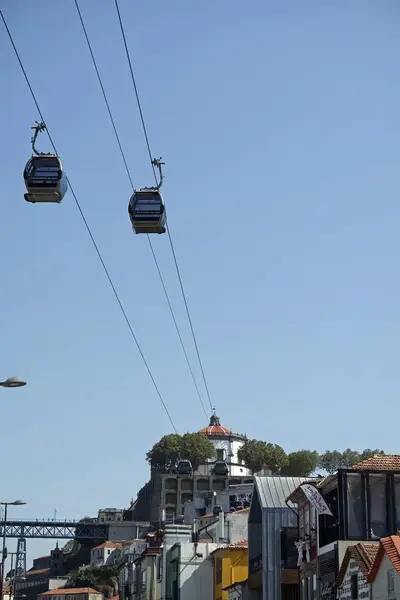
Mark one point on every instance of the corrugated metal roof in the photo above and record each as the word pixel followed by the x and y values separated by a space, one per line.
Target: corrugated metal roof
pixel 273 491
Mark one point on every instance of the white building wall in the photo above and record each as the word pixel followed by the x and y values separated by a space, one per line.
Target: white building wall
pixel 380 585
pixel 364 589
pixel 196 574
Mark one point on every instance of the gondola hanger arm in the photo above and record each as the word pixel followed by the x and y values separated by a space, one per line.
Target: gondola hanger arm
pixel 37 129
pixel 157 162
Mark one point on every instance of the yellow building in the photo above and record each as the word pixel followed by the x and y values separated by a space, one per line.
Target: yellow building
pixel 230 566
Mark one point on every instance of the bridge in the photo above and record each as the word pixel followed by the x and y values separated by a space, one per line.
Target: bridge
pixel 72 529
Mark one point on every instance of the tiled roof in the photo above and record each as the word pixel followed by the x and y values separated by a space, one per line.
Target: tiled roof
pixel 363 553
pixel 69 591
pixel 110 545
pixel 215 430
pixel 240 545
pixel 37 572
pixel 239 512
pixel 391 546
pixel 379 462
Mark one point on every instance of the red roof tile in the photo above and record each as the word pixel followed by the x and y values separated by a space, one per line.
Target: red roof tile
pixel 215 430
pixel 379 462
pixel 69 591
pixel 390 546
pixel 240 545
pixel 110 545
pixel 363 553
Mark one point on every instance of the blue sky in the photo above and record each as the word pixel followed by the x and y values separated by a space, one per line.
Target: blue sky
pixel 279 126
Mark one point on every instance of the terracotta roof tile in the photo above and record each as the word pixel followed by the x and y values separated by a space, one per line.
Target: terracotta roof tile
pixel 363 553
pixel 390 546
pixel 240 545
pixel 215 430
pixel 110 545
pixel 379 462
pixel 63 591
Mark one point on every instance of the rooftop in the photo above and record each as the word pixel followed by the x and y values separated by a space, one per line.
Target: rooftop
pixel 273 491
pixel 240 545
pixel 37 572
pixel 69 591
pixel 215 427
pixel 113 545
pixel 379 462
pixel 363 553
pixel 391 546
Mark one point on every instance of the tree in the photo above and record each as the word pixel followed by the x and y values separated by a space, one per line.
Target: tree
pixel 301 463
pixel 197 448
pixel 165 453
pixel 257 454
pixel 368 453
pixel 331 461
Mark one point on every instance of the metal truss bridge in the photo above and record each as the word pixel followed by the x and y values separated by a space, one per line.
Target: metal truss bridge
pixel 67 529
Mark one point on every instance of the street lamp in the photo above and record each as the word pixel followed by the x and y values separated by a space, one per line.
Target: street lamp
pixel 4 554
pixel 12 382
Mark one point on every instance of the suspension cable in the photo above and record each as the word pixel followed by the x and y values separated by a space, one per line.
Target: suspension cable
pixel 167 227
pixel 131 182
pixel 88 229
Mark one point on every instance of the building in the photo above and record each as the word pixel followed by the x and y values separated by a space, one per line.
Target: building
pixel 227 445
pixel 237 590
pixel 148 574
pixel 273 528
pixel 230 563
pixel 224 528
pixel 85 593
pixel 187 567
pixel 107 553
pixel 162 499
pixel 108 515
pixel 384 575
pixel 189 571
pixel 365 503
pixel 351 582
pixel 235 495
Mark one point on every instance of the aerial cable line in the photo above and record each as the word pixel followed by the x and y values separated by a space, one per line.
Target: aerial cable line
pixel 167 226
pixel 133 188
pixel 110 281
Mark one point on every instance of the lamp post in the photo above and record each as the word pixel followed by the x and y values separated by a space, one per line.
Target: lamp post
pixel 4 553
pixel 12 382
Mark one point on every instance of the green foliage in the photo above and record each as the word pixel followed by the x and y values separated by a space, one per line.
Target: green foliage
pixel 257 454
pixel 331 461
pixel 102 578
pixel 195 447
pixel 164 453
pixel 301 463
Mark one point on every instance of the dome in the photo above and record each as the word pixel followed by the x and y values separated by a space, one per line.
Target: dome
pixel 215 428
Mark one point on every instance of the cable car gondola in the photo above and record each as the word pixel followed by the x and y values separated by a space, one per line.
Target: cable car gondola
pixel 44 177
pixel 147 209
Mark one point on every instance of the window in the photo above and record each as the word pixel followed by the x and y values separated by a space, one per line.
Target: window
pixel 220 454
pixel 355 506
pixel 218 570
pixel 377 506
pixel 390 582
pixel 354 587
